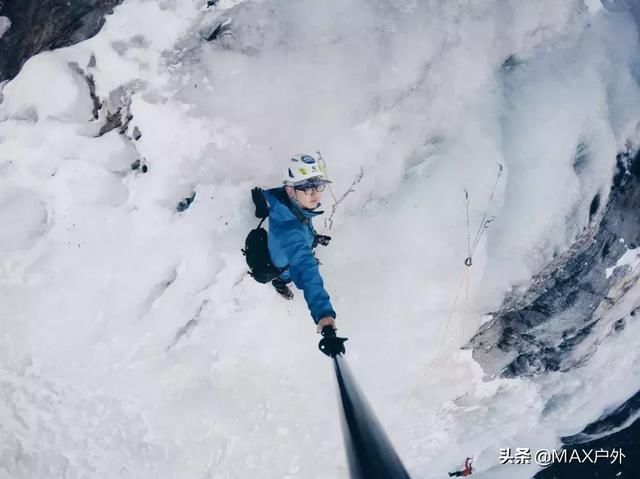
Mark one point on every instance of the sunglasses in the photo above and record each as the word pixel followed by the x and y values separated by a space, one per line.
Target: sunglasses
pixel 310 189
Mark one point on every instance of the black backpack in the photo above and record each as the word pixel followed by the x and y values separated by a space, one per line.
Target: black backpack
pixel 256 249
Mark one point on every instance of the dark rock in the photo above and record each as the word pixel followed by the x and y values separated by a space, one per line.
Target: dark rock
pixel 220 29
pixel 114 120
pixel 127 119
pixel 118 110
pixel 97 104
pixel 595 204
pixel 38 25
pixel 613 419
pixel 138 165
pixel 511 62
pixel 541 329
pixel 184 204
pixel 136 133
pixel 581 158
pixel 618 429
pixel 619 325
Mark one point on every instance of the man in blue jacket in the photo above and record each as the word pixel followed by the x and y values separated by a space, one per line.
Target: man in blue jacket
pixel 292 238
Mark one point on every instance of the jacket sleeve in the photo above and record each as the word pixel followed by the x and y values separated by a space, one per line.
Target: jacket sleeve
pixel 304 269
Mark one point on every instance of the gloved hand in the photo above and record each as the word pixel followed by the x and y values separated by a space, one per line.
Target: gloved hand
pixel 321 239
pixel 326 321
pixel 330 344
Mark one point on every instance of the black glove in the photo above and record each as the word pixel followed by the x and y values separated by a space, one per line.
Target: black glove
pixel 330 344
pixel 321 239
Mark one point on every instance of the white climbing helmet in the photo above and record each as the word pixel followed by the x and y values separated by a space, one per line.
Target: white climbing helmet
pixel 305 169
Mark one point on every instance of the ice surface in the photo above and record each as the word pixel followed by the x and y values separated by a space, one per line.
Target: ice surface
pixel 133 343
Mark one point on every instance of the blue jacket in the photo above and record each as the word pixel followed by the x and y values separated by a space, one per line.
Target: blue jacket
pixel 290 244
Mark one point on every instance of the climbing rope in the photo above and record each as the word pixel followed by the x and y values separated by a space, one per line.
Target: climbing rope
pixel 464 282
pixel 465 308
pixel 486 219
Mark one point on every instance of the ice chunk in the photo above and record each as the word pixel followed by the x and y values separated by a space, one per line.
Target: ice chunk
pixel 63 95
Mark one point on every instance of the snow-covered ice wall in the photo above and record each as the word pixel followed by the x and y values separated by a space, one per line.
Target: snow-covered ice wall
pixel 133 343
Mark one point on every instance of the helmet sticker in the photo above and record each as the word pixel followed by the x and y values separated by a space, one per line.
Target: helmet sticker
pixel 309 160
pixel 302 170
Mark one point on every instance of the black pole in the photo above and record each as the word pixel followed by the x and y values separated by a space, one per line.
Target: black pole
pixel 370 453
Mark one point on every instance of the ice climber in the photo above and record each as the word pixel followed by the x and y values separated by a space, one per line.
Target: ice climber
pixel 467 471
pixel 288 254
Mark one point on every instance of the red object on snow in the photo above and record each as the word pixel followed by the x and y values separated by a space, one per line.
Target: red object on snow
pixel 468 470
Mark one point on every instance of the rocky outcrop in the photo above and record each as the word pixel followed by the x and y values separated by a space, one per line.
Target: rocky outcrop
pixel 37 25
pixel 608 434
pixel 551 327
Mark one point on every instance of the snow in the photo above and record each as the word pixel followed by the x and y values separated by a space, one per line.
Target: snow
pixel 27 215
pixel 593 5
pixel 631 258
pixel 134 344
pixel 5 24
pixel 65 96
